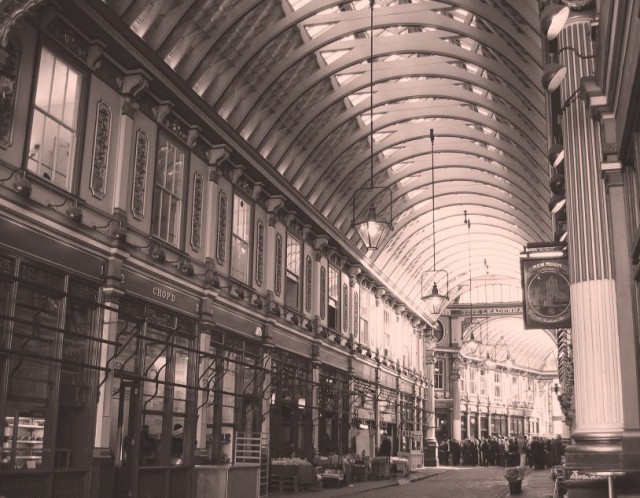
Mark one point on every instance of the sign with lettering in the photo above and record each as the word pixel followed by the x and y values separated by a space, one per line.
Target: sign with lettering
pixel 545 288
pixel 160 293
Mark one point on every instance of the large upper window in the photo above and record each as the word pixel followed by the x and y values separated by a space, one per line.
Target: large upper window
pixel 438 374
pixel 168 191
pixel 294 262
pixel 497 385
pixel 364 317
pixel 334 298
pixel 52 145
pixel 240 239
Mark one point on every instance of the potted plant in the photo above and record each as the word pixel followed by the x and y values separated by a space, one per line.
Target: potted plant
pixel 514 476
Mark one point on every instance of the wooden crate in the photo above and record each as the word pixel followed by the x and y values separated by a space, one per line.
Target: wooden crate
pixel 289 483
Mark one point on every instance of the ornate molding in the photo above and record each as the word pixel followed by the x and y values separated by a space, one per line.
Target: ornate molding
pixel 278 279
pixel 309 279
pixel 323 292
pixel 140 175
pixel 196 218
pixel 9 67
pixel 259 253
pixel 221 246
pixel 11 14
pixel 100 162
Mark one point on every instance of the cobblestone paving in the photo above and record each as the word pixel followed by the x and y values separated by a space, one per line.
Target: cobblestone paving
pixel 460 482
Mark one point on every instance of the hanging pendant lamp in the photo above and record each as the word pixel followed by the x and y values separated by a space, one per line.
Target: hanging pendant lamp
pixel 372 225
pixel 435 303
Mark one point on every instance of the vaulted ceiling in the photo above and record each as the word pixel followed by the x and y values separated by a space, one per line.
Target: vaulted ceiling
pixel 293 77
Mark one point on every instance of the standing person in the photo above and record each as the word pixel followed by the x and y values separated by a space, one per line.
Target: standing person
pixel 454 444
pixel 522 450
pixel 485 450
pixel 443 452
pixel 557 450
pixel 385 446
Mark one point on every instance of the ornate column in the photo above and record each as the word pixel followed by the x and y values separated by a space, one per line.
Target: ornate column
pixel 315 386
pixel 431 447
pixel 456 422
pixel 489 420
pixel 598 395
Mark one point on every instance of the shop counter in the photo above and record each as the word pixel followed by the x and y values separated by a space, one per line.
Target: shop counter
pixel 227 481
pixel 414 457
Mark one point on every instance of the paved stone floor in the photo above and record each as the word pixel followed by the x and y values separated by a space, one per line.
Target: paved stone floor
pixel 440 482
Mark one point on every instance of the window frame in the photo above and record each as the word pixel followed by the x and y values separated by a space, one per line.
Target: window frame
pixel 249 242
pixel 438 374
pixel 156 208
pixel 333 302
pixel 293 280
pixel 75 167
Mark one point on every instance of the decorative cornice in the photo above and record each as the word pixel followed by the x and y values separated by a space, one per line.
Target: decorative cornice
pixel 11 14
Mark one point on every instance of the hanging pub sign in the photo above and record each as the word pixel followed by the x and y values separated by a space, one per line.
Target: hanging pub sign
pixel 545 288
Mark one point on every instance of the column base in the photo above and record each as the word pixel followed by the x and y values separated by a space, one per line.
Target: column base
pixel 431 454
pixel 594 455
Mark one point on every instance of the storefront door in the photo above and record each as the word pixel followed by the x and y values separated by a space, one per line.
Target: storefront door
pixel 129 445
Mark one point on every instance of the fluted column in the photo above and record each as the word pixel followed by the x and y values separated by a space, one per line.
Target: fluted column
pixel 431 449
pixel 456 422
pixel 598 399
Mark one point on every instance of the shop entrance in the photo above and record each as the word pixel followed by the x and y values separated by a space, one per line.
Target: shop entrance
pixel 130 448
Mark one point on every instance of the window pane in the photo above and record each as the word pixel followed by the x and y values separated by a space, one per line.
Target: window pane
pixel 55 117
pixel 294 250
pixel 45 77
pixel 168 191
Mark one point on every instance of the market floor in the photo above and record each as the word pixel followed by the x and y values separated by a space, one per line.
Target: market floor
pixel 440 482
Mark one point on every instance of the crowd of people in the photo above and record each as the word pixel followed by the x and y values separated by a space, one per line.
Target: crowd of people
pixel 536 452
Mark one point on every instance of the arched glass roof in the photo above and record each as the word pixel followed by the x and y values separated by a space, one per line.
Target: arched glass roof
pixel 293 78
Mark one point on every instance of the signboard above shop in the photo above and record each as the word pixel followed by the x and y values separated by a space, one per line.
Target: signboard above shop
pixel 545 287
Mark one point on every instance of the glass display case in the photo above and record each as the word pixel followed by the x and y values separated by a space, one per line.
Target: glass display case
pixel 22 442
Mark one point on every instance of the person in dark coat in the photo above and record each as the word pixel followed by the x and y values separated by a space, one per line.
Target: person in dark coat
pixel 385 446
pixel 454 444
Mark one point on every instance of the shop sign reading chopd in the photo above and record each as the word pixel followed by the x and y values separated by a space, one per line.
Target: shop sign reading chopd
pixel 546 298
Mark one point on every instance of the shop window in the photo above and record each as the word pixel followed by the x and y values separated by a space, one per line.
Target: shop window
pixel 165 398
pixel 294 262
pixel 231 395
pixel 168 191
pixel 55 117
pixel 240 249
pixel 48 414
pixel 334 298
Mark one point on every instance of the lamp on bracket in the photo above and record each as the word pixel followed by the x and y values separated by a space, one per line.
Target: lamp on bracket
pixel 371 224
pixel 552 19
pixel 554 73
pixel 435 302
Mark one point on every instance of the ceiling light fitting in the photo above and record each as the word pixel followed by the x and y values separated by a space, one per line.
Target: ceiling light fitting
pixel 435 302
pixel 371 225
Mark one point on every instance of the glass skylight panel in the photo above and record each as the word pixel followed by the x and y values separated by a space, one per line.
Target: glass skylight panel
pixel 298 4
pixel 345 78
pixel 466 44
pixel 390 151
pixel 460 15
pixel 332 56
pixel 356 98
pixel 315 30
